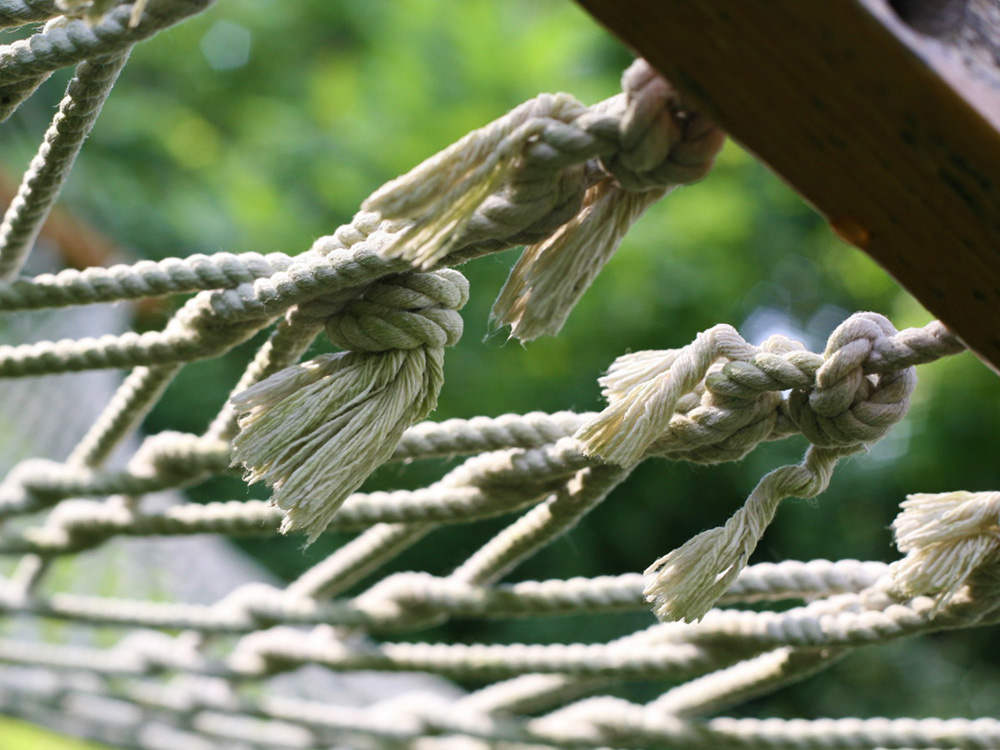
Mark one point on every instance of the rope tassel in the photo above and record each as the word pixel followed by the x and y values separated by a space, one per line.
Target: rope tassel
pixel 643 391
pixel 442 194
pixel 551 277
pixel 314 432
pixel 946 537
pixel 685 583
pixel 659 143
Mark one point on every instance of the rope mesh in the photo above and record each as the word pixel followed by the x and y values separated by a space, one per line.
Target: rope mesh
pixel 567 181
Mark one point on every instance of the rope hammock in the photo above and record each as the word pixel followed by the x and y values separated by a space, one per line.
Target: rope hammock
pixel 566 181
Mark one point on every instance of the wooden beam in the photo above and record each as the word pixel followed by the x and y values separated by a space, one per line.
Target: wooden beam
pixel 885 117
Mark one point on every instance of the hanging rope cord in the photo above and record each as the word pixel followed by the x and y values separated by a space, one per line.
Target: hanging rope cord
pixel 567 181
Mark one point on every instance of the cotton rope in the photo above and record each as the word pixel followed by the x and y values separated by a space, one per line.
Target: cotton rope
pixel 566 181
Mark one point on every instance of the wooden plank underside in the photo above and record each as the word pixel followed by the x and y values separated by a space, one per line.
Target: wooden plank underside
pixel 889 127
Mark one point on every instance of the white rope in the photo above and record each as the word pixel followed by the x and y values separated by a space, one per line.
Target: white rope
pixel 568 181
pixel 47 172
pixel 26 64
pixel 386 604
pixel 15 13
pixel 142 280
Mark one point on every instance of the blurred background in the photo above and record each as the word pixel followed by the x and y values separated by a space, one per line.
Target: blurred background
pixel 260 126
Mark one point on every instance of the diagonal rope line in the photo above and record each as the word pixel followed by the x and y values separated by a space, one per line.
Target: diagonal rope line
pixel 48 171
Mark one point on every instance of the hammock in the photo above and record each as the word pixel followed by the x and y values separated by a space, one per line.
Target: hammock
pixel 199 668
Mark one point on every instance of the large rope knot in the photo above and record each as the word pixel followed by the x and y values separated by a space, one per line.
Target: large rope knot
pixel 566 180
pixel 735 407
pixel 314 432
pixel 402 312
pixel 717 398
pixel 659 144
pixel 848 406
pixel 646 391
pixel 662 142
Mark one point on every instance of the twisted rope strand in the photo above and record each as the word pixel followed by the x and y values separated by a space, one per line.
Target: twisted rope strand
pixel 540 526
pixel 173 460
pixel 14 13
pixel 212 322
pixel 141 280
pixel 718 691
pixel 27 63
pixel 248 608
pixel 521 475
pixel 132 401
pixel 178 343
pixel 45 176
pixel 69 42
pixel 756 734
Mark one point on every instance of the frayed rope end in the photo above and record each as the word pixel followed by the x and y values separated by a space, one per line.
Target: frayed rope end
pixel 686 583
pixel 644 389
pixel 435 234
pixel 315 431
pixel 442 194
pixel 551 277
pixel 946 538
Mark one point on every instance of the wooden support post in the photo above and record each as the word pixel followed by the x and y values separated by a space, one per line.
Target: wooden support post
pixel 885 116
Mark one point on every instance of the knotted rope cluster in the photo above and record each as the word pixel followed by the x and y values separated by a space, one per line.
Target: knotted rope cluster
pixel 660 145
pixel 291 431
pixel 719 397
pixel 314 432
pixel 567 181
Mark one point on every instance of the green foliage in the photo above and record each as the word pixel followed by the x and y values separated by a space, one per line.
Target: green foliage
pixel 261 126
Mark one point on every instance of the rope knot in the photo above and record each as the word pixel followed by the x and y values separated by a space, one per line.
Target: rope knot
pixel 662 142
pixel 716 398
pixel 847 406
pixel 402 312
pixel 315 431
pixel 646 389
pixel 566 180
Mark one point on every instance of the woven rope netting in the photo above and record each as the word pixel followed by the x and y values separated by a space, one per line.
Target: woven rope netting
pixel 565 180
